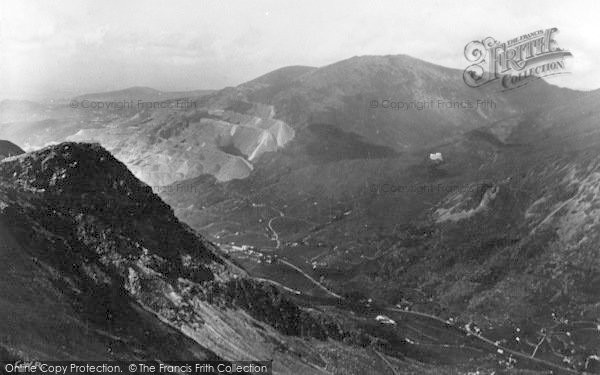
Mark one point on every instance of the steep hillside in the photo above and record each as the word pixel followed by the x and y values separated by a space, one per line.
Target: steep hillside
pixel 313 188
pixel 95 266
pixel 391 101
pixel 435 98
pixel 9 149
pixel 84 242
pixel 74 222
pixel 501 232
pixel 171 145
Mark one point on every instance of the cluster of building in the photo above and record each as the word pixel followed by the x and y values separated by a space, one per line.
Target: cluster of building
pixel 252 252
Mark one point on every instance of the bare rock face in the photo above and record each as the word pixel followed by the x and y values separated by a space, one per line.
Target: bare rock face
pixel 172 147
pixel 73 223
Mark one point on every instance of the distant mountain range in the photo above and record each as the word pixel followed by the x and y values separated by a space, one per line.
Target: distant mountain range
pixel 500 233
pixel 142 93
pixel 312 169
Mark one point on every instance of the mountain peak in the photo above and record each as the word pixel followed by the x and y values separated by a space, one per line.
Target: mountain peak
pixel 86 183
pixel 72 167
pixel 130 93
pixel 8 149
pixel 282 75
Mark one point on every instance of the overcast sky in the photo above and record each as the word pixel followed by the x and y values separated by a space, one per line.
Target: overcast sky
pixel 50 47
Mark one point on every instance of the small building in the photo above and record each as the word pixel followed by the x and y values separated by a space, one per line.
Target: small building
pixel 436 157
pixel 385 320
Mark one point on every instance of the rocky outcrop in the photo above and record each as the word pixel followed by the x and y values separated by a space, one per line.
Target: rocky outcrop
pixel 93 265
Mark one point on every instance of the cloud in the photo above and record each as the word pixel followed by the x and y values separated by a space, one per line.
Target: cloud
pixel 82 45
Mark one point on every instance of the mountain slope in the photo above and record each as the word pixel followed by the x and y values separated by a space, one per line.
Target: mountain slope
pixel 311 189
pixel 95 266
pixel 35 300
pixel 340 95
pixel 63 257
pixel 9 149
pixel 102 250
pixel 224 134
pixel 500 233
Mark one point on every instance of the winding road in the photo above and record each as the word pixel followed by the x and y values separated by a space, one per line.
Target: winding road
pixel 432 321
pixel 270 225
pixel 291 265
